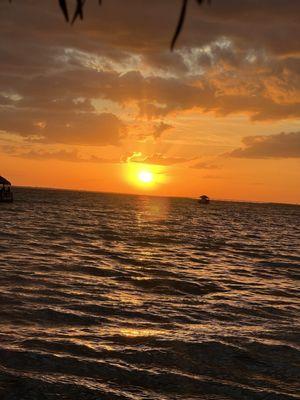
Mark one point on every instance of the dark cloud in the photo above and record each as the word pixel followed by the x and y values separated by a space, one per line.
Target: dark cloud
pixel 64 127
pixel 233 57
pixel 135 25
pixel 282 145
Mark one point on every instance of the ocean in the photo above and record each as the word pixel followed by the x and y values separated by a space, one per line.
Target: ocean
pixel 106 296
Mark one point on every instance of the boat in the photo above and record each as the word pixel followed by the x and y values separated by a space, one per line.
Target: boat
pixel 6 194
pixel 203 199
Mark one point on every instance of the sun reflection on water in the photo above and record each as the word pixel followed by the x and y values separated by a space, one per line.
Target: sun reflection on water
pixel 152 210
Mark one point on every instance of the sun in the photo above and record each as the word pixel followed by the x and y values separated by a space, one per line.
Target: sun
pixel 145 176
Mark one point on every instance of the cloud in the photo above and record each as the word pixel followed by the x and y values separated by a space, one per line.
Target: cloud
pixel 64 127
pixel 160 128
pixel 60 155
pixel 156 158
pixel 214 177
pixel 281 145
pixel 117 23
pixel 205 165
pixel 235 57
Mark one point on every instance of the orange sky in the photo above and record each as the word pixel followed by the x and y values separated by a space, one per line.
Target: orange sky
pixel 89 106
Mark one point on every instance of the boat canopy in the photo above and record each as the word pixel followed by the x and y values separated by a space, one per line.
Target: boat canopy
pixel 4 181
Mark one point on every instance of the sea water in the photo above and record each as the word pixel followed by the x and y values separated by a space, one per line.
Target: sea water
pixel 106 296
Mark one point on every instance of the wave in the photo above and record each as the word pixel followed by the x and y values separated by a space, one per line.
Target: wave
pixel 128 297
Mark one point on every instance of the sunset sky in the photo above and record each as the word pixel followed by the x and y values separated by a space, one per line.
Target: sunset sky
pixel 93 105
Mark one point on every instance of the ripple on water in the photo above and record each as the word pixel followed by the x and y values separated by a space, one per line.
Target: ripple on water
pixel 128 297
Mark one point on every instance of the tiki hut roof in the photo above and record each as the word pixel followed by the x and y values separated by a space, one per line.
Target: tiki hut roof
pixel 4 181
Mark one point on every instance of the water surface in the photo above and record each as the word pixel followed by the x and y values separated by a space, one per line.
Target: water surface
pixel 129 297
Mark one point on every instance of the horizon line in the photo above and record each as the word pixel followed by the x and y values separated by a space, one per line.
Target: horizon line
pixel 153 195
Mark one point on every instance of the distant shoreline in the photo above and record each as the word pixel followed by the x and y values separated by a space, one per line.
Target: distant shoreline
pixel 153 195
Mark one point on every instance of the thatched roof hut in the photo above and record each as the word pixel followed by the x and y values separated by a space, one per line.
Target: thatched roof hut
pixel 4 181
pixel 6 194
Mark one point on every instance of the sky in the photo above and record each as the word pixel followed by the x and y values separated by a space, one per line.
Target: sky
pixel 104 104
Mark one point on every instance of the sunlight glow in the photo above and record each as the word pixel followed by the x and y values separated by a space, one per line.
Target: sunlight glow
pixel 145 176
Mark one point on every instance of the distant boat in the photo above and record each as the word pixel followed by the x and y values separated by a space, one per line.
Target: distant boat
pixel 6 194
pixel 203 199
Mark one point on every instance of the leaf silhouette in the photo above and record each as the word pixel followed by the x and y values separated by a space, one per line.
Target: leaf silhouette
pixel 181 20
pixel 79 11
pixel 180 23
pixel 64 8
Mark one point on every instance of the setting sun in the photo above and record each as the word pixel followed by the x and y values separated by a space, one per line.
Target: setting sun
pixel 145 176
